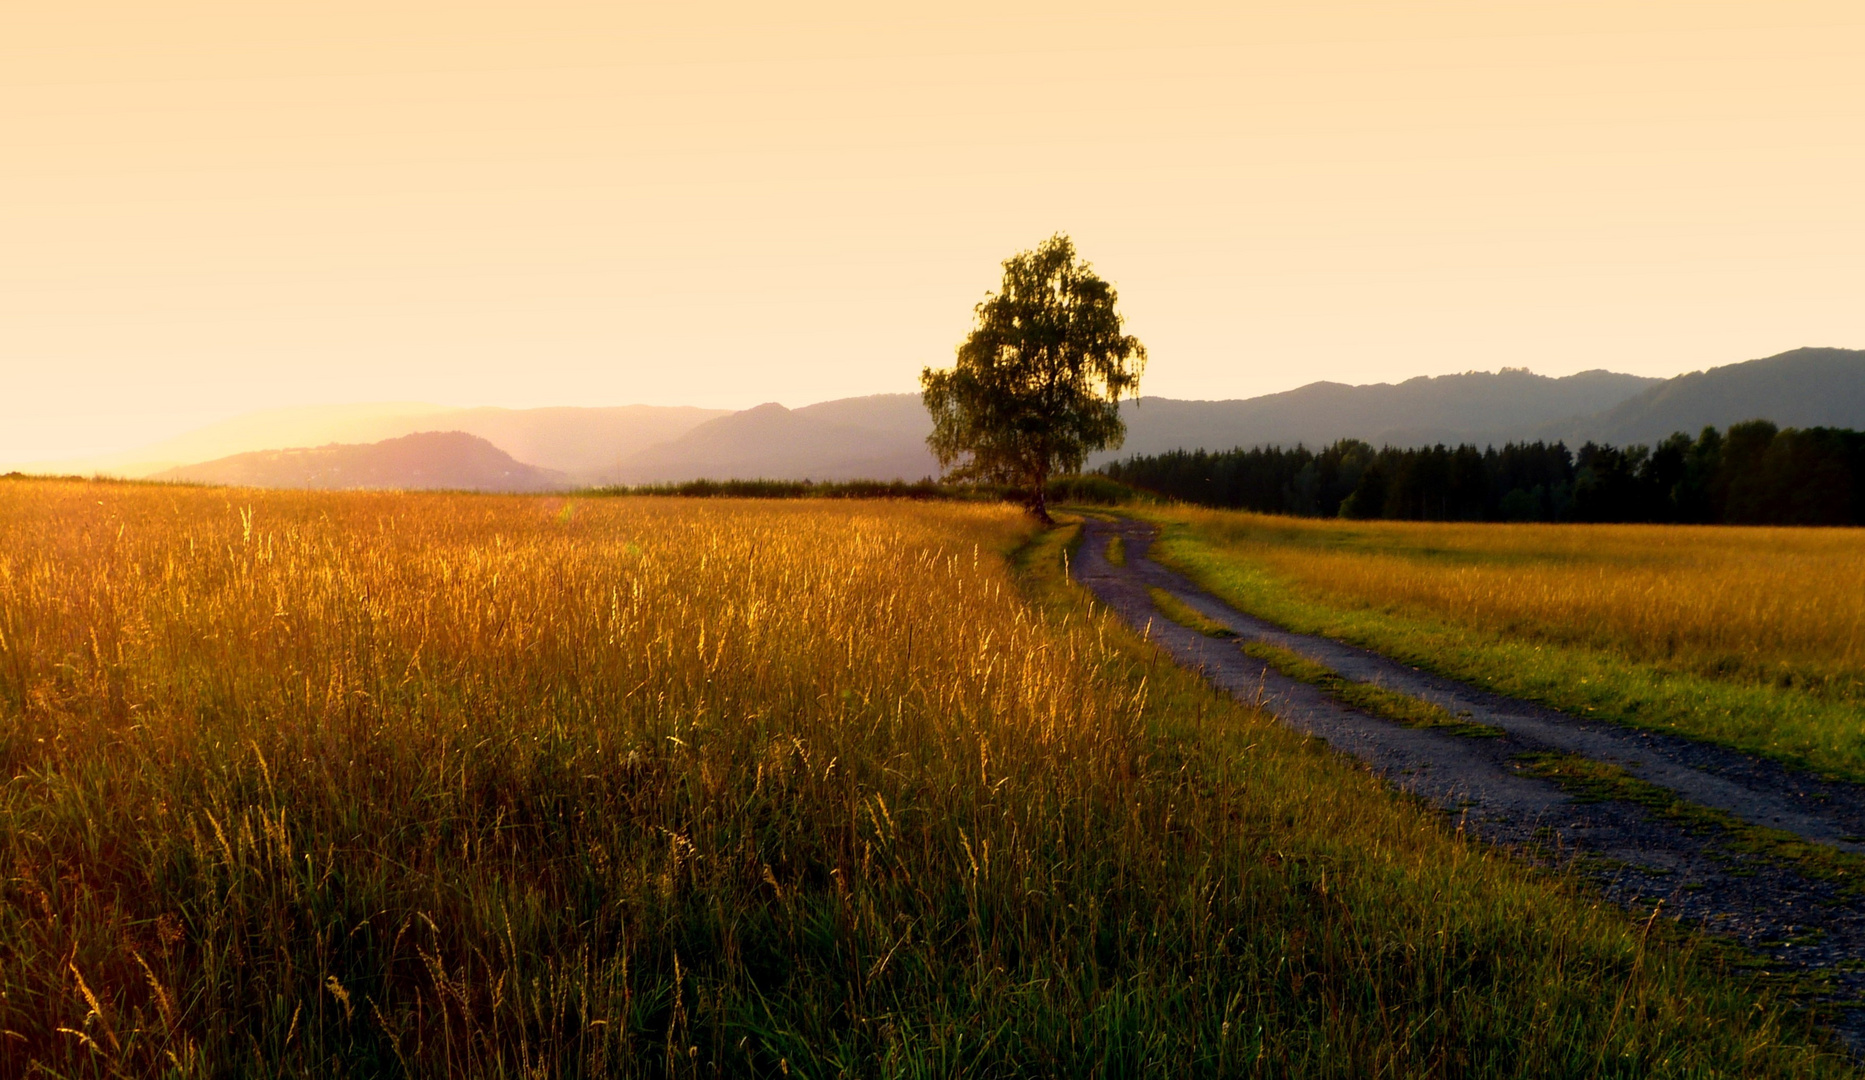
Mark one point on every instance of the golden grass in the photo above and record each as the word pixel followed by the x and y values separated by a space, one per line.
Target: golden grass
pixel 1774 604
pixel 378 784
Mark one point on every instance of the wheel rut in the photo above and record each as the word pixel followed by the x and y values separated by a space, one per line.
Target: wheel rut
pixel 1791 921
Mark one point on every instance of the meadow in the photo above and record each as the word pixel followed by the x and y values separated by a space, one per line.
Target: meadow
pixel 1753 637
pixel 374 784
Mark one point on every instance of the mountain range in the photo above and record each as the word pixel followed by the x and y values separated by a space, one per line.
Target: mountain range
pixel 883 436
pixel 1804 388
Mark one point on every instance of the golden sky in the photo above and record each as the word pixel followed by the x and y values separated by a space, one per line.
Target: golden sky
pixel 207 208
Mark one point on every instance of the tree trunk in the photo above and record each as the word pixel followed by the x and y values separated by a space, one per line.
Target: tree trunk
pixel 1039 501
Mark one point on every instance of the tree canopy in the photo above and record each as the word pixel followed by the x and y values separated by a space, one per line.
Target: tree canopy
pixel 1037 384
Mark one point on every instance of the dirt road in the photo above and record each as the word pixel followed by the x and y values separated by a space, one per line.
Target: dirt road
pixel 1702 876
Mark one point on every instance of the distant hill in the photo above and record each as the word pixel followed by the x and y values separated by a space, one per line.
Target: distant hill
pixel 900 415
pixel 586 443
pixel 1478 407
pixel 590 443
pixel 1803 388
pixel 450 460
pixel 267 429
pixel 856 438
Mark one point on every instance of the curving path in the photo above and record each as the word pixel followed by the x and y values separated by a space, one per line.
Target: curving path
pixel 1795 921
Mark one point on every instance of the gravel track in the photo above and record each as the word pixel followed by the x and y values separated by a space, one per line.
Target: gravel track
pixel 1795 922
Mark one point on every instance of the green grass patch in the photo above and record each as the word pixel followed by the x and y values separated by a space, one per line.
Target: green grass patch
pixel 1116 551
pixel 1788 724
pixel 1597 781
pixel 1187 616
pixel 1368 698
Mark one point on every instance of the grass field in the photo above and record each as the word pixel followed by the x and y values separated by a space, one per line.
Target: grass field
pixel 386 784
pixel 1754 637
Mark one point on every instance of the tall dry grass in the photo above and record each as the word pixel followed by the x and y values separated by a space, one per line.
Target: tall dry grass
pixel 383 784
pixel 1779 605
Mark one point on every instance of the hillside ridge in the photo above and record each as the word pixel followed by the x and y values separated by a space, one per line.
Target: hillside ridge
pixel 427 460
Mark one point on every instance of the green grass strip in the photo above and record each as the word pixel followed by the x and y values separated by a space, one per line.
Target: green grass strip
pixel 1368 698
pixel 1185 615
pixel 1116 551
pixel 1597 781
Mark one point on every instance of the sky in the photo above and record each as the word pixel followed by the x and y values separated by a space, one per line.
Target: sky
pixel 208 208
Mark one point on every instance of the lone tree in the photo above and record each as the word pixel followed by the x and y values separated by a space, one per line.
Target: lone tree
pixel 1038 382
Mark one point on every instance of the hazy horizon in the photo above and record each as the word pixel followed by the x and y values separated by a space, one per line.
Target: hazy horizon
pixel 238 429
pixel 213 210
pixel 241 431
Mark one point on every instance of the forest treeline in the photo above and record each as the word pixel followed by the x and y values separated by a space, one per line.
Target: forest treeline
pixel 1755 473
